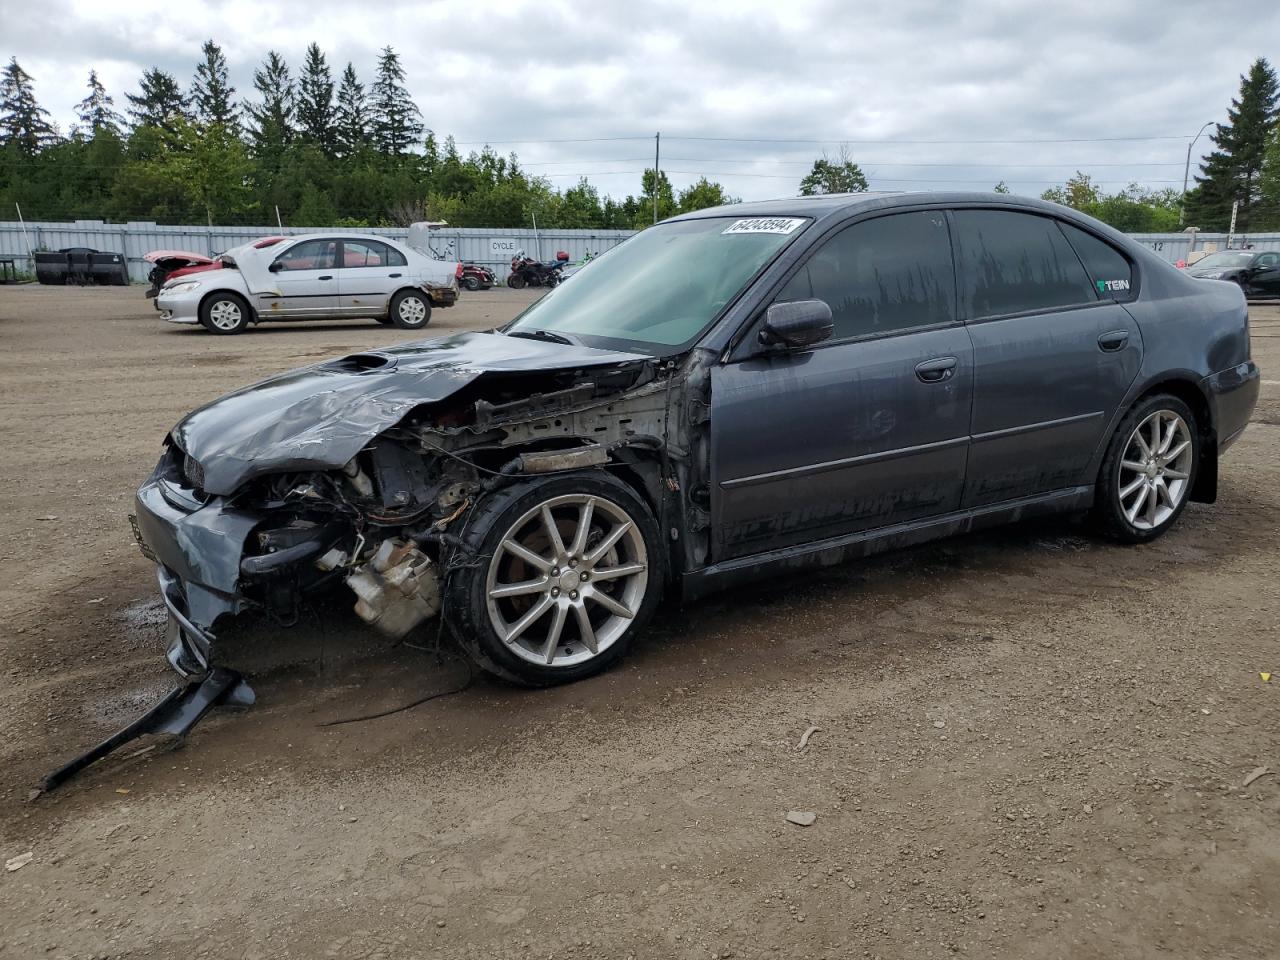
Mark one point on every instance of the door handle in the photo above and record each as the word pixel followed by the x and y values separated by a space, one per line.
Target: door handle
pixel 395 276
pixel 1113 341
pixel 328 277
pixel 937 370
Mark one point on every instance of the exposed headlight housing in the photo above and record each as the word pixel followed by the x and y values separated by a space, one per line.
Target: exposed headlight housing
pixel 183 286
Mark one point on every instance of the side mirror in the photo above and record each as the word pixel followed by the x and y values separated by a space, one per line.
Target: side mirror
pixel 796 325
pixel 276 266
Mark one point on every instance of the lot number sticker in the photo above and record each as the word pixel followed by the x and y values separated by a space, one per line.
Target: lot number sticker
pixel 783 225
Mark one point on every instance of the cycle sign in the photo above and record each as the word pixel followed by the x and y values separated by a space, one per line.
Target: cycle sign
pixel 501 248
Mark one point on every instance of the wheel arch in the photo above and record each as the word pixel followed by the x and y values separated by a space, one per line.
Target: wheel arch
pixel 1188 390
pixel 253 314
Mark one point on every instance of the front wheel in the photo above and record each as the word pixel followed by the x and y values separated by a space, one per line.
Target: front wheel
pixel 571 568
pixel 1148 472
pixel 515 281
pixel 410 310
pixel 224 313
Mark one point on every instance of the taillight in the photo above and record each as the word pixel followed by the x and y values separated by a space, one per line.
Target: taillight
pixel 458 273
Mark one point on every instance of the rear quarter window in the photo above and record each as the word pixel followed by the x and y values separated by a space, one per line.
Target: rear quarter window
pixel 1109 269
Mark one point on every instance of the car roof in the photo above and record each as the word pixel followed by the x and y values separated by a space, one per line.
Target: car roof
pixel 838 204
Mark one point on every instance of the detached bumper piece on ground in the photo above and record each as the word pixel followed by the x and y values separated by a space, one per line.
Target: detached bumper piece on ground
pixel 175 715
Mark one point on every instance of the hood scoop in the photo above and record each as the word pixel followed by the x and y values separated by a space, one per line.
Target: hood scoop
pixel 360 363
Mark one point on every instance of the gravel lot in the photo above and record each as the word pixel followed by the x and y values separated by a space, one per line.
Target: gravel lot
pixel 1030 744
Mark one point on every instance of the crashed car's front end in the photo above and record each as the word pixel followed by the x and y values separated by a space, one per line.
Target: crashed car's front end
pixel 359 472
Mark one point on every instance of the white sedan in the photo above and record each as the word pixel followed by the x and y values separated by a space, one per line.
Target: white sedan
pixel 312 277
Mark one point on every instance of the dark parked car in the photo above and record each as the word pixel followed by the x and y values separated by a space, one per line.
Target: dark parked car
pixel 1258 274
pixel 736 392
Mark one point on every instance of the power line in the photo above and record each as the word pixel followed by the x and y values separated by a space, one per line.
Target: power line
pixel 832 140
pixel 917 142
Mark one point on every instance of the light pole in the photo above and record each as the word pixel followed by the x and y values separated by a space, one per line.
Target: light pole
pixel 1186 173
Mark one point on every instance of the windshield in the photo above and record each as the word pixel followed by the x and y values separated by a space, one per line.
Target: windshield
pixel 663 287
pixel 1224 261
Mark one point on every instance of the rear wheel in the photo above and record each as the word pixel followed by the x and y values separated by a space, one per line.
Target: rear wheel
pixel 224 313
pixel 410 310
pixel 471 283
pixel 571 569
pixel 1149 470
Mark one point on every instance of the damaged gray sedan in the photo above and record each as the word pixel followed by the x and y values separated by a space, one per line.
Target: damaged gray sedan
pixel 728 394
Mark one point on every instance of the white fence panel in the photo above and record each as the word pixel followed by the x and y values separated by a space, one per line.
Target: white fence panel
pixel 489 247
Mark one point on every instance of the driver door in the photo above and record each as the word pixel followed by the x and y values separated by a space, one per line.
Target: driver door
pixel 306 281
pixel 865 430
pixel 1264 275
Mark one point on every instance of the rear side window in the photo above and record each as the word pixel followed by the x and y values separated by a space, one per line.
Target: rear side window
pixel 882 275
pixel 1110 271
pixel 1015 263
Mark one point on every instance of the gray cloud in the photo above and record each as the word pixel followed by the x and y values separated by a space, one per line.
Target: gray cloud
pixel 823 69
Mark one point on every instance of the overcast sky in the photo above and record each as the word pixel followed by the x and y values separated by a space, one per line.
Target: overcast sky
pixel 818 73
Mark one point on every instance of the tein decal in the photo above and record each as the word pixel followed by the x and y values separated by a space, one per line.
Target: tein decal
pixel 1112 285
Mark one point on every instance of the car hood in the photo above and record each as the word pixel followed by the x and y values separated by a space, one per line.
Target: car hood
pixel 319 417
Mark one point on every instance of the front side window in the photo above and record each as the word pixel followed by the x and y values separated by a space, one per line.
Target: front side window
pixel 882 275
pixel 1109 269
pixel 663 287
pixel 1016 263
pixel 1267 261
pixel 310 255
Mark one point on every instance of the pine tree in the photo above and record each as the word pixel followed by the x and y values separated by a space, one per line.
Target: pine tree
pixel 211 90
pixel 97 110
pixel 159 102
pixel 351 127
pixel 315 101
pixel 1232 171
pixel 22 120
pixel 272 120
pixel 397 122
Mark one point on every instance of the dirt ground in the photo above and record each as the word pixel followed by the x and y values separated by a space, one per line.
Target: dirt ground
pixel 1030 744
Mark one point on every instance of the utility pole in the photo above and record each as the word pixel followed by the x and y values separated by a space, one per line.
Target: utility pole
pixel 657 171
pixel 1186 172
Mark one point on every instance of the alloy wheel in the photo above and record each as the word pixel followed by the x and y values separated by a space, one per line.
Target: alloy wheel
pixel 566 580
pixel 1155 470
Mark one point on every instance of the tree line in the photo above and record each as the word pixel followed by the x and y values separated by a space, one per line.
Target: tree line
pixel 319 149
pixel 332 151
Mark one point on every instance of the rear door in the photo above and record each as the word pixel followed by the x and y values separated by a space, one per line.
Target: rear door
pixel 1054 350
pixel 306 280
pixel 865 430
pixel 371 271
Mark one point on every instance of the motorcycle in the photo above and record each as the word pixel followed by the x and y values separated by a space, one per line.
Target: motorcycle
pixel 528 272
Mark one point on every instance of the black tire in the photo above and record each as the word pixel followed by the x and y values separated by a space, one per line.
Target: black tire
pixel 410 310
pixel 471 283
pixel 224 313
pixel 467 602
pixel 515 281
pixel 1109 512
